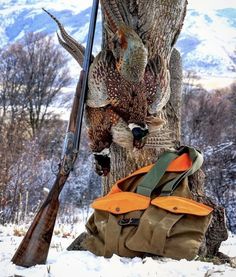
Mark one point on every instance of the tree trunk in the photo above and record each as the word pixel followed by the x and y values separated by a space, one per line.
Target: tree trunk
pixel 158 23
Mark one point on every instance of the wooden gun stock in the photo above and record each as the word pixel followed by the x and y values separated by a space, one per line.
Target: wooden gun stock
pixel 35 245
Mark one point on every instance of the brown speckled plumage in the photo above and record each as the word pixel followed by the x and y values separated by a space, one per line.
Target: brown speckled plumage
pixel 129 80
pixel 128 101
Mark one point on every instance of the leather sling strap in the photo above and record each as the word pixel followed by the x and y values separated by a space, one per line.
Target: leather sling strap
pixel 151 180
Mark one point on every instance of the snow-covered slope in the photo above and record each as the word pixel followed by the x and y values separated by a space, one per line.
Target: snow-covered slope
pixel 207 41
pixel 63 263
pixel 18 17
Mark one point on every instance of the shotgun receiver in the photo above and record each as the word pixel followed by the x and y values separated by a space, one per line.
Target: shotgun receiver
pixel 35 245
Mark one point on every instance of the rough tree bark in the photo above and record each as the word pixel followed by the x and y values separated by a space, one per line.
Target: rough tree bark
pixel 158 24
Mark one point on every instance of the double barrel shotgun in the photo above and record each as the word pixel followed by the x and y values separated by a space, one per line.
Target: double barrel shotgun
pixel 35 245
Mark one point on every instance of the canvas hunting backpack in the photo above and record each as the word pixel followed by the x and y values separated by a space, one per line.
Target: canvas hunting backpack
pixel 151 212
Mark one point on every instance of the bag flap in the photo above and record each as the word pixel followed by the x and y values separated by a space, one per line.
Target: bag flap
pixel 123 202
pixel 176 204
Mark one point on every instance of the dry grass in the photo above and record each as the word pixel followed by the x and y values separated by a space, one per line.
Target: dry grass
pixel 19 231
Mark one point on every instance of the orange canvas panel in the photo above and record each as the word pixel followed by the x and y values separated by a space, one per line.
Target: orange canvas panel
pixel 114 189
pixel 120 203
pixel 181 205
pixel 182 163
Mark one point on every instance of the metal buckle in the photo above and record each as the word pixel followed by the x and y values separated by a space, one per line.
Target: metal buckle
pixel 129 222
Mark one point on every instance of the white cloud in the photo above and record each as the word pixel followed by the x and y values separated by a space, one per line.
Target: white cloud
pixel 207 5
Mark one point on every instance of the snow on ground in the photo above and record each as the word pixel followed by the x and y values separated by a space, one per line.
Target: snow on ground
pixel 62 263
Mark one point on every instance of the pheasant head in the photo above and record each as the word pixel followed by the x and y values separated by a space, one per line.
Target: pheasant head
pixel 139 133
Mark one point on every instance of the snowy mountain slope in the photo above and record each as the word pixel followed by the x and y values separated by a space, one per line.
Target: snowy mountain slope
pixel 20 17
pixel 207 42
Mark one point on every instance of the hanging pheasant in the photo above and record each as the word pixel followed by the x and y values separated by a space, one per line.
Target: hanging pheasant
pixel 125 90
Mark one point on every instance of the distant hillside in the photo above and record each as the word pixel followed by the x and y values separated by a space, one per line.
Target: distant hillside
pixel 207 42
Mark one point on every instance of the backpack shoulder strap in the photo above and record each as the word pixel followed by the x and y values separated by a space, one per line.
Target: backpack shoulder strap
pixel 197 160
pixel 153 177
pixel 151 180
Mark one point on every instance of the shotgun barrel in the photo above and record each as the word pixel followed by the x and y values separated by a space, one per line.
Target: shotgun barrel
pixel 35 245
